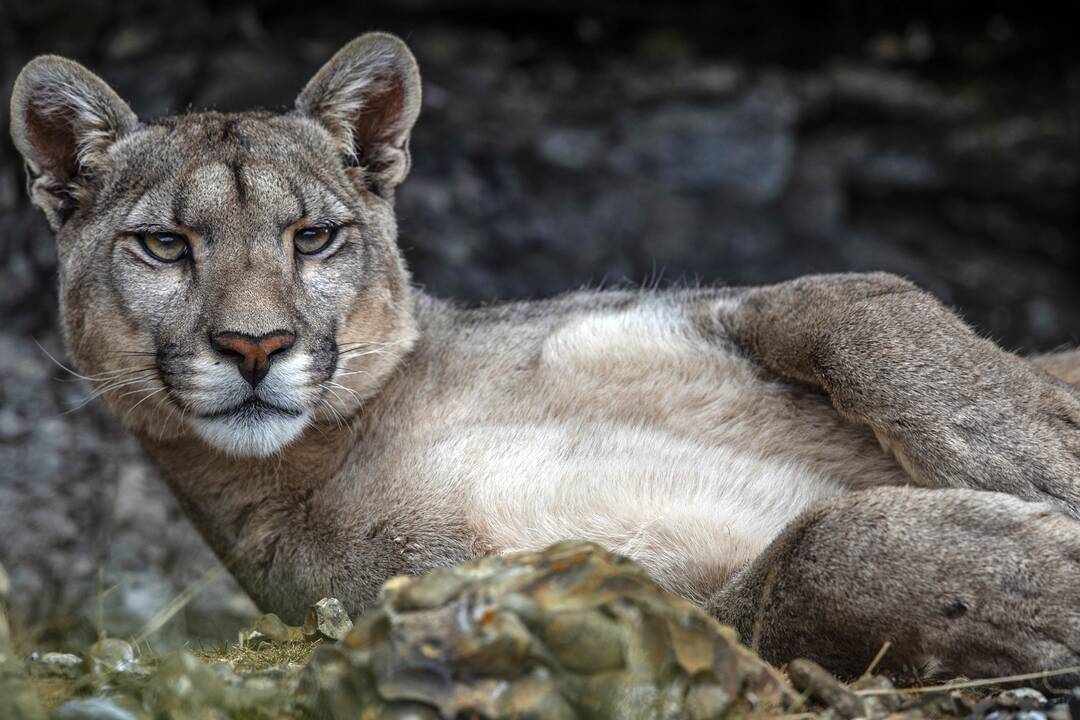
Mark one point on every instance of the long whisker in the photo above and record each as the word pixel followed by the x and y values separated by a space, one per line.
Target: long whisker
pixel 353 372
pixel 113 374
pixel 149 395
pixel 108 376
pixel 337 416
pixel 369 342
pixel 352 392
pixel 136 391
pixel 359 352
pixel 332 391
pixel 58 363
pixel 102 391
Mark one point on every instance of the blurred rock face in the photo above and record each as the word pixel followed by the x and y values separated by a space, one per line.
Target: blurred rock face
pixel 561 147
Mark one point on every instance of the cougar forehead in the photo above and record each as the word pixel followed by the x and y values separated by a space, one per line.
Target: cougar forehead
pixel 208 169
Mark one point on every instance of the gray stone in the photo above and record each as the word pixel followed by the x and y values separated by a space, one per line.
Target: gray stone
pixel 110 655
pixel 271 628
pixel 327 618
pixel 96 709
pixel 53 664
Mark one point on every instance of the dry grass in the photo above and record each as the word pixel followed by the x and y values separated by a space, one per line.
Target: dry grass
pixel 53 692
pixel 251 658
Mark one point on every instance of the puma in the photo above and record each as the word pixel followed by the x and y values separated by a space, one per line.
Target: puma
pixel 825 464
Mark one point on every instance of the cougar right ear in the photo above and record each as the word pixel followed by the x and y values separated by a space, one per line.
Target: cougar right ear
pixel 368 97
pixel 63 119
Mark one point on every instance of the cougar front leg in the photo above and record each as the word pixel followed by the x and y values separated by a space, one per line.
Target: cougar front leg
pixel 959 582
pixel 956 409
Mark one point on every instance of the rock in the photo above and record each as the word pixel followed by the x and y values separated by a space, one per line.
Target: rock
pixel 877 706
pixel 1022 698
pixel 99 709
pixel 182 685
pixel 110 655
pixel 569 632
pixel 1019 704
pixel 327 618
pixel 271 627
pixel 809 677
pixel 53 664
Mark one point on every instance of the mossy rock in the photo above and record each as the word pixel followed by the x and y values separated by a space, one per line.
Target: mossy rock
pixel 569 632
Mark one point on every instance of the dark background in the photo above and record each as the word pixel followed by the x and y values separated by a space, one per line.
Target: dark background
pixel 565 144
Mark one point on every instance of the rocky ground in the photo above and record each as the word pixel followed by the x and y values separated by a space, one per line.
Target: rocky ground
pixel 560 145
pixel 567 633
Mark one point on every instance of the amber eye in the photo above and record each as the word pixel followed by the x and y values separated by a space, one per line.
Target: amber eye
pixel 311 240
pixel 166 247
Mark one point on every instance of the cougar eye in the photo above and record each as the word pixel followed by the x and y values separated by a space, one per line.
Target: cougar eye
pixel 311 240
pixel 166 247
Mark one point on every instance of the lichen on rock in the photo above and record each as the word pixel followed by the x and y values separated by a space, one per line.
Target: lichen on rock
pixel 572 631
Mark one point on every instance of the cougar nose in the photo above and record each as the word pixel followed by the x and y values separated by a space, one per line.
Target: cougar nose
pixel 252 354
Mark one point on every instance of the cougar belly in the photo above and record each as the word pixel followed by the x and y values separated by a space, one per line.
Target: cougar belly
pixel 660 443
pixel 689 512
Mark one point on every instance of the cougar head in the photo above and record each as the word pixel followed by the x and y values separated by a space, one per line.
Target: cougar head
pixel 234 277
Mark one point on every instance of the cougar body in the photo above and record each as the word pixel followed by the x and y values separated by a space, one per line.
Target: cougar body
pixel 232 286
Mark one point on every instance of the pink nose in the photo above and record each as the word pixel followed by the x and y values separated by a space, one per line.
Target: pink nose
pixel 253 354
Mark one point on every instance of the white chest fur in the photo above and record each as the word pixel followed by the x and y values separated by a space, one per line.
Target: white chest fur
pixel 640 433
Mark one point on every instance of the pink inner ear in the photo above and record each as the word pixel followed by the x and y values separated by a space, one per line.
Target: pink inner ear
pixel 380 120
pixel 53 140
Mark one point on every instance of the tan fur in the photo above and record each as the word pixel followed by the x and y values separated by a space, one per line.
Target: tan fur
pixel 702 432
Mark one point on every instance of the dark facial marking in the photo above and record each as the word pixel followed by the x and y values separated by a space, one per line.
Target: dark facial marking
pixel 238 178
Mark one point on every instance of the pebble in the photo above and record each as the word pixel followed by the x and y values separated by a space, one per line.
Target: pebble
pixel 182 683
pixel 110 655
pixel 270 627
pixel 328 618
pixel 54 664
pixel 1021 698
pixel 95 709
pixel 809 677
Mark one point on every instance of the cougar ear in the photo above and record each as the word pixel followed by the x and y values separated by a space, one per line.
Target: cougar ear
pixel 368 97
pixel 63 120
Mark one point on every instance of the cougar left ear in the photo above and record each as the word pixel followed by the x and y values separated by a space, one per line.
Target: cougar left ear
pixel 368 97
pixel 63 120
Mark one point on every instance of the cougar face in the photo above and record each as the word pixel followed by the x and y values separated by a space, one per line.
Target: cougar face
pixel 232 276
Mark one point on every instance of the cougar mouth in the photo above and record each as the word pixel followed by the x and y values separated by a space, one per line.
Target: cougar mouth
pixel 254 408
pixel 253 427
